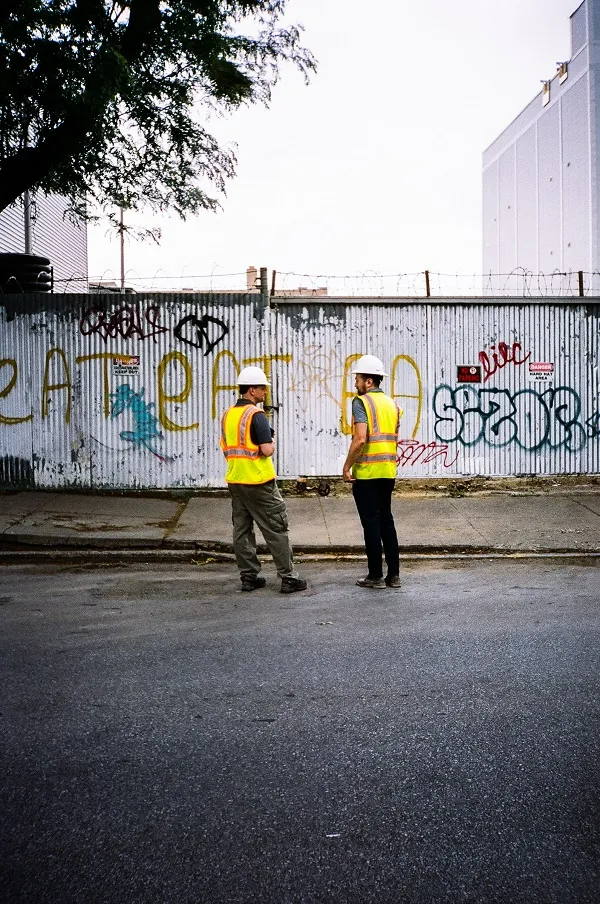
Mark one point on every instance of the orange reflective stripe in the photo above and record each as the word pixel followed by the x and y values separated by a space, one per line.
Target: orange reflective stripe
pixel 373 408
pixel 383 438
pixel 240 452
pixel 374 456
pixel 245 462
pixel 244 425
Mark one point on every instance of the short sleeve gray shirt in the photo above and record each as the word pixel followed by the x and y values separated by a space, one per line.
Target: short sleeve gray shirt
pixel 359 412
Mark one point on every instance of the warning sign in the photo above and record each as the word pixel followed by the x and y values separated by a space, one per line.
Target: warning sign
pixel 541 370
pixel 126 365
pixel 468 373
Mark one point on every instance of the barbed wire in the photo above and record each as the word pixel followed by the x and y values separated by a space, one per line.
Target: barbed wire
pixel 368 284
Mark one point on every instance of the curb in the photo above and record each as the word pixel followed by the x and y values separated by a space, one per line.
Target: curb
pixel 97 557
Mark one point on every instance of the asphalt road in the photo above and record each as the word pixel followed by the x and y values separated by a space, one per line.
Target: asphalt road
pixel 166 738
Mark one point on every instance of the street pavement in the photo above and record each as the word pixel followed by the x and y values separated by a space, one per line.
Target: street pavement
pixel 62 523
pixel 166 738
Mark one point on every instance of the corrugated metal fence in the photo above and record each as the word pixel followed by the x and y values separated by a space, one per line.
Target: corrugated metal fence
pixel 127 391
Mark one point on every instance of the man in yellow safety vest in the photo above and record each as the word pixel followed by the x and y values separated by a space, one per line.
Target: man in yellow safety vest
pixel 247 443
pixel 370 467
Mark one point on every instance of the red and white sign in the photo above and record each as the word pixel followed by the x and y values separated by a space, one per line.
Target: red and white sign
pixel 541 370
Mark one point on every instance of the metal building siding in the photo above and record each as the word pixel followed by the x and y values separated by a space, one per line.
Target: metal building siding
pixel 575 118
pixel 562 232
pixel 490 219
pixel 56 236
pixel 12 229
pixel 507 232
pixel 526 201
pixel 549 174
pixel 579 28
pixel 53 235
pixel 593 20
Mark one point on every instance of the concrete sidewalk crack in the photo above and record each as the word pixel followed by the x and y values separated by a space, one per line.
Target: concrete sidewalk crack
pixel 171 524
pixel 583 505
pixel 469 522
pixel 320 501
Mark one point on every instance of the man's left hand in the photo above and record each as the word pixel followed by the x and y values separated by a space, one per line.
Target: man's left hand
pixel 347 475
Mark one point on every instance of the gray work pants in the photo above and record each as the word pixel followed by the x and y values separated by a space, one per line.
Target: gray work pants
pixel 263 505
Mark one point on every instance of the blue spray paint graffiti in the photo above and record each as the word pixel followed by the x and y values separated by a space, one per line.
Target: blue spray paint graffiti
pixel 125 398
pixel 532 420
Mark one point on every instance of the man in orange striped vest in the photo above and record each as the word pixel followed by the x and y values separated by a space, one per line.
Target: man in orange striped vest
pixel 247 443
pixel 370 467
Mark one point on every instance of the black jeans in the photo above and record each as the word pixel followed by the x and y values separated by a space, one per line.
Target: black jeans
pixel 373 500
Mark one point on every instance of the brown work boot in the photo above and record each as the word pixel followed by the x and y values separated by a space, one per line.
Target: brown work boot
pixel 292 585
pixel 393 580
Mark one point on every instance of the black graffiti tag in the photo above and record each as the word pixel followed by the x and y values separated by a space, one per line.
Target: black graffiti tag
pixel 196 332
pixel 126 321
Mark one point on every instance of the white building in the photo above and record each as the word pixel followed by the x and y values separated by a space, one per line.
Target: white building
pixel 53 234
pixel 540 179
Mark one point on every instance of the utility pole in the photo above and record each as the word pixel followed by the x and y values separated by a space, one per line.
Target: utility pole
pixel 122 237
pixel 27 220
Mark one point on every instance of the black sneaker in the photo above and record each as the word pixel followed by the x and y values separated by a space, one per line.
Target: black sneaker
pixel 292 585
pixel 371 583
pixel 393 580
pixel 253 583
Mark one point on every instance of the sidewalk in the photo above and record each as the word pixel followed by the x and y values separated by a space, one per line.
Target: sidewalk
pixel 58 525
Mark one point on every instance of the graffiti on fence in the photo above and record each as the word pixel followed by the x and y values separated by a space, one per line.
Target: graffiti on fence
pixel 198 333
pixel 531 420
pixel 127 321
pixel 414 452
pixel 145 432
pixel 8 388
pixel 315 375
pixel 497 360
pixel 404 375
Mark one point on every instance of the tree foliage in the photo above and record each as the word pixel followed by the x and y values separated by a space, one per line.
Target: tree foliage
pixel 103 100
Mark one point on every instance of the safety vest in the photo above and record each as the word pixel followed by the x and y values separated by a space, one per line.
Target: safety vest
pixel 378 457
pixel 245 463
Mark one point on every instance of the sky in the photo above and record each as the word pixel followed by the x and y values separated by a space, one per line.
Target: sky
pixel 372 173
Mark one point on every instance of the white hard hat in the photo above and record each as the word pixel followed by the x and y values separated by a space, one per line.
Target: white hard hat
pixel 252 376
pixel 369 364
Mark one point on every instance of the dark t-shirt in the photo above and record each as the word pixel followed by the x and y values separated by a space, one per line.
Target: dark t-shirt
pixel 260 429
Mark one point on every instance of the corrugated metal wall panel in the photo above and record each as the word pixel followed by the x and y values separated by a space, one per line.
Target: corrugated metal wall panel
pixel 57 236
pixel 515 422
pixel 12 229
pixel 54 235
pixel 126 392
pixel 312 343
pixel 16 401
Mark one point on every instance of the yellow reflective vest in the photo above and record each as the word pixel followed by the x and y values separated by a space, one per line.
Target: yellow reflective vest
pixel 378 457
pixel 245 463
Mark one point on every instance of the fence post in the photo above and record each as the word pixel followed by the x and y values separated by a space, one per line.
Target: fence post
pixel 581 292
pixel 264 283
pixel 427 286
